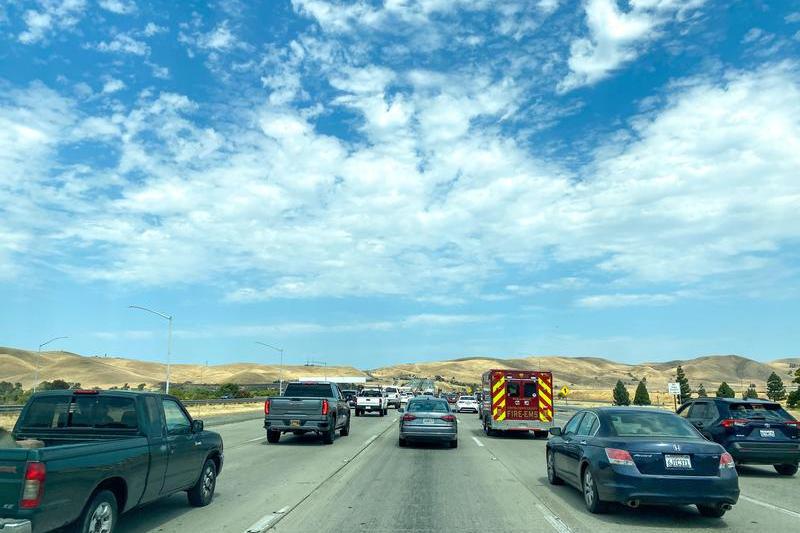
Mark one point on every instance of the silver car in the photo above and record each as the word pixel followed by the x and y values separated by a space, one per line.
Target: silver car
pixel 428 419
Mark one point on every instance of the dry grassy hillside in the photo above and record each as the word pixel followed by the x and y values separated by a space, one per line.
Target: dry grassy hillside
pixel 579 373
pixel 19 365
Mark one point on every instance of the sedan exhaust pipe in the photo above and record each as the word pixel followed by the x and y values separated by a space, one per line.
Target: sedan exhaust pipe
pixel 633 504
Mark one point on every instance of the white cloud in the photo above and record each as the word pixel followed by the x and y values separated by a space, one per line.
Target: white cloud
pixel 792 17
pixel 123 44
pixel 752 35
pixel 219 39
pixel 153 29
pixel 625 300
pixel 120 7
pixel 617 37
pixel 51 15
pixel 113 85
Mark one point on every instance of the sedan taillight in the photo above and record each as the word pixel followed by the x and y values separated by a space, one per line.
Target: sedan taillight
pixel 726 461
pixel 619 457
pixel 408 417
pixel 448 418
pixel 33 488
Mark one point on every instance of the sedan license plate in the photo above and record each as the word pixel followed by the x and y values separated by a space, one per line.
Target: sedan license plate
pixel 427 421
pixel 767 432
pixel 295 423
pixel 678 461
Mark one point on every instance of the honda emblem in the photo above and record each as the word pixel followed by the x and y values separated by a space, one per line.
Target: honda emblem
pixel 676 447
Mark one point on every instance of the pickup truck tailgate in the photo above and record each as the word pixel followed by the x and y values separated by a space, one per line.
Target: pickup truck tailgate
pixel 289 407
pixel 12 472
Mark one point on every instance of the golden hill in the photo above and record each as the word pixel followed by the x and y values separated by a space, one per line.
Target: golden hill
pixel 579 373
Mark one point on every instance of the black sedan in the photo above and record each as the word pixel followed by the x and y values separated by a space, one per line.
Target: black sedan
pixel 641 456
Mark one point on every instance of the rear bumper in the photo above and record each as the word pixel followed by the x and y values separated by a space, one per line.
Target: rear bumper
pixel 429 434
pixel 467 409
pixel 765 453
pixel 517 425
pixel 14 525
pixel 307 424
pixel 617 486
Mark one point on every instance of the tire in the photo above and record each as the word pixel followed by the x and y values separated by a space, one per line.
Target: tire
pixel 345 431
pixel 101 511
pixel 358 413
pixel 590 495
pixel 402 442
pixel 381 413
pixel 711 511
pixel 273 436
pixel 552 477
pixel 202 492
pixel 786 470
pixel 329 436
pixel 454 443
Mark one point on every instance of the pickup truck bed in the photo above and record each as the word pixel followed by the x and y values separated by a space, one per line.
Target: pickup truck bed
pixel 137 447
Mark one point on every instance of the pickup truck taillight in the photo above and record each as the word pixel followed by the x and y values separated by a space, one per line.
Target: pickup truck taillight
pixel 266 407
pixel 324 407
pixel 33 488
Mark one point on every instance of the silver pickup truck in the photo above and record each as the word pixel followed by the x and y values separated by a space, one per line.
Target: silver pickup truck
pixel 307 407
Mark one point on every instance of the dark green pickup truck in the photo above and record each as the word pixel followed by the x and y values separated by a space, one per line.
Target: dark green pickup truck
pixel 85 457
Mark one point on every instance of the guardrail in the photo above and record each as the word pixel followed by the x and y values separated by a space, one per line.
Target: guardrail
pixel 216 401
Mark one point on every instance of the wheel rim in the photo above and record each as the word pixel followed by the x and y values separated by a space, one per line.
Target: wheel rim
pixel 588 488
pixel 550 468
pixel 102 519
pixel 208 482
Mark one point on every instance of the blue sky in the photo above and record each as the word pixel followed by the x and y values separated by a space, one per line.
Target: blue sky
pixel 375 182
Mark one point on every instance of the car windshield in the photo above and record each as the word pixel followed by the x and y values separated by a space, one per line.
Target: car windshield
pixel 467 398
pixel 370 393
pixel 756 411
pixel 431 406
pixel 655 424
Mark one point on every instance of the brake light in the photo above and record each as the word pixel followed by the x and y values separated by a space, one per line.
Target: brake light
pixel 726 461
pixel 619 457
pixel 408 417
pixel 324 407
pixel 266 407
pixel 448 418
pixel 733 422
pixel 33 488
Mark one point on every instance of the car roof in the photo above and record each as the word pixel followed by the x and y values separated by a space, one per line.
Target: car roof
pixel 93 392
pixel 734 400
pixel 626 409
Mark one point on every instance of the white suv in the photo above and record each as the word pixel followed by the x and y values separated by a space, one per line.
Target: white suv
pixel 467 404
pixel 392 396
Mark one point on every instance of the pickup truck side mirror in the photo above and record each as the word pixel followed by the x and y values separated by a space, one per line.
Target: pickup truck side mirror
pixel 556 432
pixel 197 426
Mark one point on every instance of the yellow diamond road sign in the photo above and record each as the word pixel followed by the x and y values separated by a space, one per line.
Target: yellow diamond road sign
pixel 564 390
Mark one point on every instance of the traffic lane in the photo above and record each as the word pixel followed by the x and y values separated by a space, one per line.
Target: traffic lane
pixel 257 479
pixel 764 484
pixel 527 456
pixel 419 488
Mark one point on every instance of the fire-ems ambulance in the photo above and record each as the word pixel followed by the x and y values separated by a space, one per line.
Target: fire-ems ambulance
pixel 517 400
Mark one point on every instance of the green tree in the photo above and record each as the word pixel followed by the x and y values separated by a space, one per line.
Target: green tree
pixel 793 400
pixel 750 393
pixel 776 391
pixel 621 396
pixel 686 390
pixel 641 396
pixel 725 391
pixel 701 391
pixel 140 386
pixel 796 376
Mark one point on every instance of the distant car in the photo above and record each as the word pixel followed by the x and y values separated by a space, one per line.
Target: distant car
pixel 392 396
pixel 467 404
pixel 405 397
pixel 371 401
pixel 350 397
pixel 428 419
pixel 451 397
pixel 752 431
pixel 641 456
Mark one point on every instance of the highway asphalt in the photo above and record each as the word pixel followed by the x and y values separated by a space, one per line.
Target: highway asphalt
pixel 366 482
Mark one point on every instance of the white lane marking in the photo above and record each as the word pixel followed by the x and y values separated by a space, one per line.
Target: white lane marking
pixel 479 443
pixel 369 440
pixel 255 439
pixel 266 521
pixel 553 520
pixel 769 506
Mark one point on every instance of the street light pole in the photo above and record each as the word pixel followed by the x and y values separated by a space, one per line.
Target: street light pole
pixel 169 336
pixel 39 358
pixel 280 350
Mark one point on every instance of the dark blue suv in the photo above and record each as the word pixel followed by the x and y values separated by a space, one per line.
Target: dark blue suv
pixel 752 431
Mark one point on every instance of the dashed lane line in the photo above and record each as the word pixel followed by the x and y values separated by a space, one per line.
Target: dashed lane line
pixel 479 443
pixel 770 506
pixel 266 521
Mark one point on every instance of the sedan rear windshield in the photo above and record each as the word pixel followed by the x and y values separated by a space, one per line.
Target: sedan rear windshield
pixel 467 398
pixel 650 425
pixel 419 406
pixel 308 390
pixel 759 411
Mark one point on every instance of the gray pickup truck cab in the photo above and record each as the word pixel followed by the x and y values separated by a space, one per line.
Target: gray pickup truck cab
pixel 307 407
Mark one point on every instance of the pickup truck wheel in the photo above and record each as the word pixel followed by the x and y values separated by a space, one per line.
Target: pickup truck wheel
pixel 100 516
pixel 345 431
pixel 381 412
pixel 203 491
pixel 330 435
pixel 358 413
pixel 786 470
pixel 273 436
